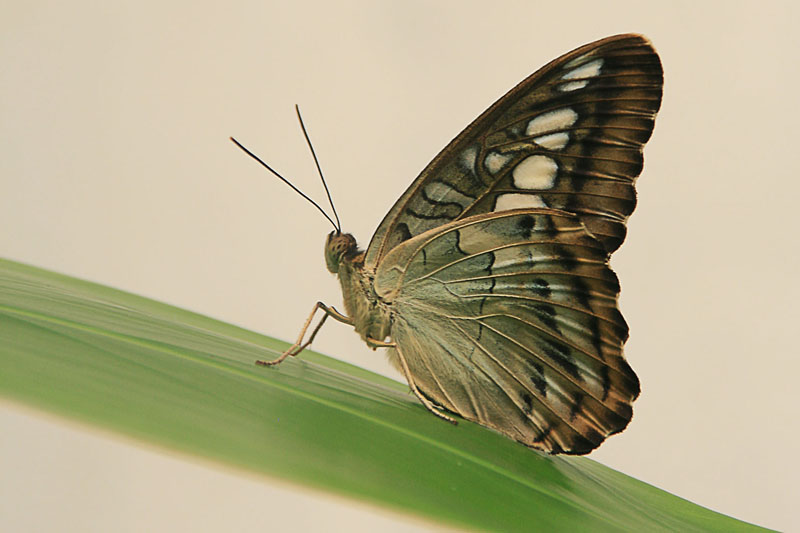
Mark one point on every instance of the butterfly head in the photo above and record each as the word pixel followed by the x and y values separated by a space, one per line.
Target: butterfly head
pixel 338 247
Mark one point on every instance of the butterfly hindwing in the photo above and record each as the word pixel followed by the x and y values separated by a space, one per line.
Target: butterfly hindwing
pixel 568 137
pixel 510 319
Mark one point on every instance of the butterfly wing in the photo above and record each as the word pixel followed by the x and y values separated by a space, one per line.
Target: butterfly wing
pixel 510 319
pixel 568 137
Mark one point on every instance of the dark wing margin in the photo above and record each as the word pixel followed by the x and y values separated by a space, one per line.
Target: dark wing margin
pixel 569 137
pixel 510 319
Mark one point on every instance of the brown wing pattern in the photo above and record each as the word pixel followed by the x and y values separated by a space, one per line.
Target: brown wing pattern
pixel 510 319
pixel 568 137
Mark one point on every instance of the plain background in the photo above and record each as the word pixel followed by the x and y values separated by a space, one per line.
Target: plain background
pixel 116 168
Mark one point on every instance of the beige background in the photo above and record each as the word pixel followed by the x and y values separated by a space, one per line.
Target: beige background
pixel 116 167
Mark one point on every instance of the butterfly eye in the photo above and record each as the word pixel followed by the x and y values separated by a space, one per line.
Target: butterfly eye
pixel 337 246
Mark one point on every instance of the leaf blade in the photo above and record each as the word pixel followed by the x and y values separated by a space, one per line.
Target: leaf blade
pixel 188 382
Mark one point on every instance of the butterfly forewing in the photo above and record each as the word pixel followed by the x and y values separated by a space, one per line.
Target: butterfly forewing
pixel 510 319
pixel 568 137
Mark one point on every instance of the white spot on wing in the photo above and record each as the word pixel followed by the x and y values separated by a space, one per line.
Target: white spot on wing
pixel 438 190
pixel 574 62
pixel 442 192
pixel 553 120
pixel 518 201
pixel 573 86
pixel 468 157
pixel 587 70
pixel 554 141
pixel 535 172
pixel 495 162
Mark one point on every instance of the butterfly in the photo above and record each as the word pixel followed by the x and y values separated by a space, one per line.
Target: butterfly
pixel 488 281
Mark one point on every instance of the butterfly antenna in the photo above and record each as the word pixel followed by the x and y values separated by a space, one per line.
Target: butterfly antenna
pixel 319 169
pixel 287 182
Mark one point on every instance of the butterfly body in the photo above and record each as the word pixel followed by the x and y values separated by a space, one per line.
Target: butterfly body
pixel 371 316
pixel 488 281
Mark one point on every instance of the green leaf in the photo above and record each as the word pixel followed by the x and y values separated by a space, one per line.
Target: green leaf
pixel 181 380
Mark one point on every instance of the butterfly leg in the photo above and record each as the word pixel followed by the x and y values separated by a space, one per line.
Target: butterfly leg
pixel 299 346
pixel 374 344
pixel 425 401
